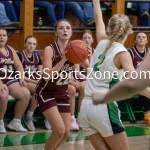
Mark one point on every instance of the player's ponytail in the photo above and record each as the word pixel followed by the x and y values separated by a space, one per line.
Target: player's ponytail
pixel 117 29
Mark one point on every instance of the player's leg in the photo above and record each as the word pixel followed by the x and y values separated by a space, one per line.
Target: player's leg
pixel 66 119
pixel 3 107
pixel 28 118
pixel 22 95
pixel 89 122
pixel 72 93
pixel 118 141
pixel 53 116
pixel 81 93
pixel 98 142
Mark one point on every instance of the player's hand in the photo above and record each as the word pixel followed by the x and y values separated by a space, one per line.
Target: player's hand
pixel 98 98
pixel 22 82
pixel 75 83
pixel 89 50
pixel 3 88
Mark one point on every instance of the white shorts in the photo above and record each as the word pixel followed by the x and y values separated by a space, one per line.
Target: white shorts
pixel 103 118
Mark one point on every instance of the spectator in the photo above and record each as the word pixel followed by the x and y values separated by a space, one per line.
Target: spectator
pixel 83 10
pixel 5 21
pixel 10 11
pixel 144 10
pixel 49 7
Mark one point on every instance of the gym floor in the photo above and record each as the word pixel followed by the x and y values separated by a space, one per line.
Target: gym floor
pixel 138 135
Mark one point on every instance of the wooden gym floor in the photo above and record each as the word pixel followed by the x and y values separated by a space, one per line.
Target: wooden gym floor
pixel 138 135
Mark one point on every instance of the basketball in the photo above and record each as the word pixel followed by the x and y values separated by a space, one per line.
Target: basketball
pixel 77 51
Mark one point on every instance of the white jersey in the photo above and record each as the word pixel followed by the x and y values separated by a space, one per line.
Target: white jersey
pixel 100 76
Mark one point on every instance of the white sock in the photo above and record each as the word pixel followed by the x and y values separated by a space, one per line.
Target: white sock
pixel 29 114
pixel 73 118
pixel 1 121
pixel 17 120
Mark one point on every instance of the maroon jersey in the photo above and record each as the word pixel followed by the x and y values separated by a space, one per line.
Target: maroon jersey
pixel 137 57
pixel 7 64
pixel 57 88
pixel 30 67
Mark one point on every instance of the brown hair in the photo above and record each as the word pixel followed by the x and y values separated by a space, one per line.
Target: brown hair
pixel 87 31
pixel 56 25
pixel 141 32
pixel 2 28
pixel 30 36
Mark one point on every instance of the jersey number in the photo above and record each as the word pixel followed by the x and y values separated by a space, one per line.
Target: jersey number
pixel 62 80
pixel 7 68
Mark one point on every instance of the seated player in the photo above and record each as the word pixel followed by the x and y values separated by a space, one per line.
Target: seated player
pixel 32 65
pixel 11 84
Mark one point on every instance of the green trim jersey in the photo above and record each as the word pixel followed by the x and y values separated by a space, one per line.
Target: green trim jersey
pixel 101 75
pixel 102 118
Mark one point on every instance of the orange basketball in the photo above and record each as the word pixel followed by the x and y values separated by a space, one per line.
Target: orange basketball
pixel 77 51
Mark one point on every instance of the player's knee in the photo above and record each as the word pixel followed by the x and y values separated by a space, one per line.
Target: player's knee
pixel 66 134
pixel 60 132
pixel 25 95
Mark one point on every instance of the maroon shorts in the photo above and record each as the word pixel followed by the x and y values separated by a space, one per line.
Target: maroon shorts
pixel 9 81
pixel 46 101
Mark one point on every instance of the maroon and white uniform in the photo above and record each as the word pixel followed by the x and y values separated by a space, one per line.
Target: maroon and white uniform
pixel 54 92
pixel 137 57
pixel 7 74
pixel 30 66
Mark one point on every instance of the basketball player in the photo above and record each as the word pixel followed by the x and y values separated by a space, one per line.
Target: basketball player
pixel 101 123
pixel 128 87
pixel 138 53
pixel 11 85
pixel 132 85
pixel 52 94
pixel 32 65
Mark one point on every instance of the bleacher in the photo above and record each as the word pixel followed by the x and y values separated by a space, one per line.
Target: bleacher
pixel 129 109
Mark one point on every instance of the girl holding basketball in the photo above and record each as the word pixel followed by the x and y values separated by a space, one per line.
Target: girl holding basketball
pixel 52 94
pixel 11 85
pixel 102 122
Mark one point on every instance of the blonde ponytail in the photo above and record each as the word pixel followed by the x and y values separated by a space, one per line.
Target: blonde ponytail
pixel 117 29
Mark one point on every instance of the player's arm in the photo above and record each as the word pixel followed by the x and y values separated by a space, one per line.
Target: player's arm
pixel 100 27
pixel 47 63
pixel 128 87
